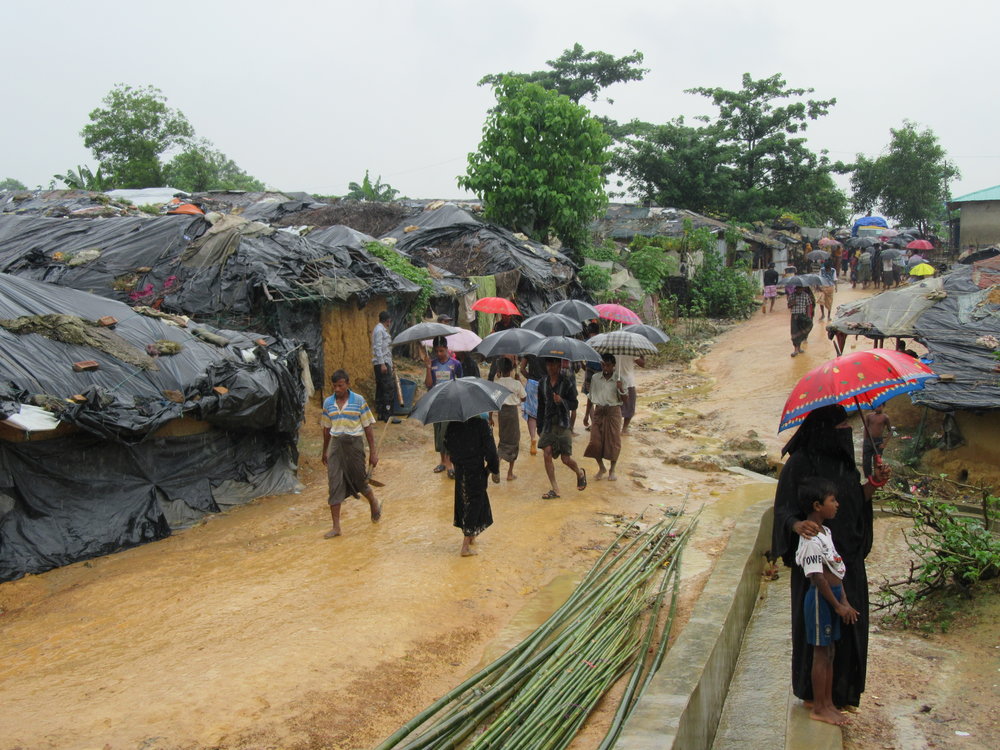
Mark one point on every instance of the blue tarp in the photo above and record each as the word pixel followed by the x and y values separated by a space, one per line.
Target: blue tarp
pixel 868 221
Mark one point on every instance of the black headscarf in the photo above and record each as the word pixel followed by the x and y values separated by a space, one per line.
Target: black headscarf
pixel 818 435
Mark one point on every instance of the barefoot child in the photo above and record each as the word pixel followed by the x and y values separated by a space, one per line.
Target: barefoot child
pixel 879 427
pixel 509 441
pixel 826 602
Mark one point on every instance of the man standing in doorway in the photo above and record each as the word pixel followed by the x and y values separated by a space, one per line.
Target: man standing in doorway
pixel 385 381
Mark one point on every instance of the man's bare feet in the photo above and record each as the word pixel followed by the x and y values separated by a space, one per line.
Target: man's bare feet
pixel 830 716
pixel 511 477
pixel 469 552
pixel 599 475
pixel 612 477
pixel 376 513
pixel 331 534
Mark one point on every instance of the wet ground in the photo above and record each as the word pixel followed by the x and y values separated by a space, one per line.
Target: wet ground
pixel 251 631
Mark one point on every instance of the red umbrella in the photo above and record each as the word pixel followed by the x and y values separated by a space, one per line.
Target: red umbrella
pixel 827 242
pixel 618 313
pixel 857 380
pixel 920 245
pixel 497 305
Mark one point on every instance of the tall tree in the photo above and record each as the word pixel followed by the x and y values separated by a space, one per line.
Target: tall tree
pixel 131 131
pixel 202 167
pixel 580 74
pixel 909 181
pixel 540 163
pixel 9 183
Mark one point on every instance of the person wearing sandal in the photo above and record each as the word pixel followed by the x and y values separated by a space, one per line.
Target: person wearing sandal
pixel 442 368
pixel 557 400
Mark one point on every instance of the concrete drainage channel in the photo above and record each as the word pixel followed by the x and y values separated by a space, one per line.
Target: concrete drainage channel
pixel 683 707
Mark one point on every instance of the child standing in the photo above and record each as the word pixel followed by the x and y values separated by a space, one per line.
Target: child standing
pixel 510 428
pixel 826 602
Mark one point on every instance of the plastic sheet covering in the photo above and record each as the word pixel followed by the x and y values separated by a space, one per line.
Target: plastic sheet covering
pixel 957 333
pixel 890 313
pixel 115 483
pixel 348 246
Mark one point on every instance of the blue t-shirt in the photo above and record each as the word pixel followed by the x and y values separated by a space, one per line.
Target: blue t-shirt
pixel 442 372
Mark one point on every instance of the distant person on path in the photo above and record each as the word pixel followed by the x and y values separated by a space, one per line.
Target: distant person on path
pixel 604 407
pixel 829 275
pixel 509 421
pixel 770 287
pixel 533 372
pixel 385 381
pixel 864 268
pixel 801 304
pixel 826 601
pixel 626 370
pixel 474 454
pixel 823 446
pixel 557 399
pixel 440 369
pixel 879 427
pixel 503 323
pixel 347 423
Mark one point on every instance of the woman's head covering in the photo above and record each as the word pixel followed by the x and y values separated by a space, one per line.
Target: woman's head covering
pixel 819 434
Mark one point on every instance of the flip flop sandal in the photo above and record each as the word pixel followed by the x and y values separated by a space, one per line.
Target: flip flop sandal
pixel 581 480
pixel 451 473
pixel 439 468
pixel 549 495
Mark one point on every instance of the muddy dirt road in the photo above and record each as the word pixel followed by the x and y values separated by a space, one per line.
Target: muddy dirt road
pixel 252 631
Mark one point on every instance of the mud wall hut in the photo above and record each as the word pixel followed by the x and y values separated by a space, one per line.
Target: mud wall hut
pixel 979 217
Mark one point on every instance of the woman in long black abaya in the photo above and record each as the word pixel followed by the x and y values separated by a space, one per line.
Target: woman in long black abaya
pixel 823 446
pixel 474 456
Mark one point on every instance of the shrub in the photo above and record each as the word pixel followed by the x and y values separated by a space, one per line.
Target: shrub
pixel 594 278
pixel 394 261
pixel 721 291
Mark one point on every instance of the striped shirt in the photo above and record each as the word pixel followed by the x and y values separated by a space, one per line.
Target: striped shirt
pixel 350 420
pixel 381 340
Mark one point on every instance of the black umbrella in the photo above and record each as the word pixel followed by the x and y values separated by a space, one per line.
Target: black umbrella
pixel 575 309
pixel 424 331
pixel 805 279
pixel 816 255
pixel 459 400
pixel 563 347
pixel 511 341
pixel 891 252
pixel 652 333
pixel 553 324
pixel 857 242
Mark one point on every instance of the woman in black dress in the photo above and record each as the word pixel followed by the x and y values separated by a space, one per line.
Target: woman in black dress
pixel 823 447
pixel 474 456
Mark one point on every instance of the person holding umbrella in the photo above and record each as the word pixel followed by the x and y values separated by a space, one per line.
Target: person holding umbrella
pixel 442 368
pixel 801 303
pixel 604 405
pixel 557 399
pixel 473 454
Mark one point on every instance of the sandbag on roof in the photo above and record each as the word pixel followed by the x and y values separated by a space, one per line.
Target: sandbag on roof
pixel 107 485
pixel 962 333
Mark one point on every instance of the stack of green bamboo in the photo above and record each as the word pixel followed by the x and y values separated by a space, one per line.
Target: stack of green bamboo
pixel 540 693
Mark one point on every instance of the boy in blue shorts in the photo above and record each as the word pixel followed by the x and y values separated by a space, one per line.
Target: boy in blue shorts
pixel 826 602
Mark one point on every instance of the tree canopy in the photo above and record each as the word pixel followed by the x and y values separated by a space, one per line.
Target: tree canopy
pixel 580 74
pixel 9 183
pixel 909 181
pixel 201 167
pixel 540 163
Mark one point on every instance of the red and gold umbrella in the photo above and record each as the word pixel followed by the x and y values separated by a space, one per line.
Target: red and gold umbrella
pixel 618 313
pixel 857 380
pixel 496 305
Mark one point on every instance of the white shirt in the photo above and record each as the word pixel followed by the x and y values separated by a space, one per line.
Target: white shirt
pixel 517 392
pixel 625 367
pixel 813 554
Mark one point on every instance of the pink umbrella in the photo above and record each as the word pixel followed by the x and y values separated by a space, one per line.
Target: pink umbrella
pixel 828 242
pixel 889 232
pixel 618 313
pixel 920 245
pixel 463 341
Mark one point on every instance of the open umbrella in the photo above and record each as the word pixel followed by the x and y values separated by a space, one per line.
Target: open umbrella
pixel 563 347
pixel 654 334
pixel 805 279
pixel 888 233
pixel 827 242
pixel 855 242
pixel 459 400
pixel 891 252
pixel 922 269
pixel 575 309
pixel 424 331
pixel 857 380
pixel 462 341
pixel 915 260
pixel 818 255
pixel 618 313
pixel 919 245
pixel 511 341
pixel 495 305
pixel 553 324
pixel 622 342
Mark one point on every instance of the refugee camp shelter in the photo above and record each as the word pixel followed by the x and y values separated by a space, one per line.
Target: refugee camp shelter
pixel 979 217
pixel 119 424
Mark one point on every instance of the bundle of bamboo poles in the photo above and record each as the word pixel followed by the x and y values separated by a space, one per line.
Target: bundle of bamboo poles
pixel 539 694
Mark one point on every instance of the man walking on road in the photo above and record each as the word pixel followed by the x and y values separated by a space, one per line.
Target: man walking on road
pixel 557 399
pixel 385 382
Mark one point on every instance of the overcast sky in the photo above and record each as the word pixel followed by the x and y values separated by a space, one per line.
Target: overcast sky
pixel 307 95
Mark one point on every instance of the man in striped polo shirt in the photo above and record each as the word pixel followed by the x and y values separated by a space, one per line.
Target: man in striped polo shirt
pixel 347 423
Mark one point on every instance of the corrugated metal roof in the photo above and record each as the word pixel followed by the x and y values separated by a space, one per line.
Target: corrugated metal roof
pixel 986 194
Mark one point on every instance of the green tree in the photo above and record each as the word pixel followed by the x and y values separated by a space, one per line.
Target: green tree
pixel 579 74
pixel 375 192
pixel 770 160
pixel 201 167
pixel 130 133
pixel 9 183
pixel 909 181
pixel 540 163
